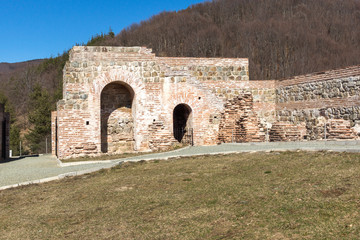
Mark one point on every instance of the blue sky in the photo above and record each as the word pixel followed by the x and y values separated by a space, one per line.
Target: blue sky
pixel 33 29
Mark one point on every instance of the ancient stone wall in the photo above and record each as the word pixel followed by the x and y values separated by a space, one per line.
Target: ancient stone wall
pixel 123 99
pixel 4 133
pixel 317 99
pixel 119 99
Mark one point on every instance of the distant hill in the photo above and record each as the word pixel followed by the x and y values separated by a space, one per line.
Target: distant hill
pixel 281 38
pixel 12 70
pixel 17 81
pixel 8 68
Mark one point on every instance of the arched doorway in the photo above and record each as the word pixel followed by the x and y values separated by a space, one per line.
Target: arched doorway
pixel 117 121
pixel 182 123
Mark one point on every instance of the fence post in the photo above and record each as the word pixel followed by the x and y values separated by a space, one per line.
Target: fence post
pixel 267 135
pixel 192 137
pixel 325 130
pixel 46 146
pixel 20 148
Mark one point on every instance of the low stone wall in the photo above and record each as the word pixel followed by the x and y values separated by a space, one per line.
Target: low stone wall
pixel 323 89
pixel 316 99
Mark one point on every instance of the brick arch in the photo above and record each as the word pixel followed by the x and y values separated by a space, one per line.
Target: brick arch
pixel 189 95
pixel 133 81
pixel 117 118
pixel 182 121
pixel 201 110
pixel 184 97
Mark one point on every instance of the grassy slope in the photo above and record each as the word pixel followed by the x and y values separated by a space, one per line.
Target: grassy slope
pixel 245 196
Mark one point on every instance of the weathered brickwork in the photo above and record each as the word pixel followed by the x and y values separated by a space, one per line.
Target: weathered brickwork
pixel 124 99
pixel 4 133
pixel 340 129
pixel 285 131
pixel 239 122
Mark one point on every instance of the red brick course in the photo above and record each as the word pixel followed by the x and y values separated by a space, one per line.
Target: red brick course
pixel 285 131
pixel 239 123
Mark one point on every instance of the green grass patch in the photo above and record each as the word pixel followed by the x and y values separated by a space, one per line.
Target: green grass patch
pixel 288 195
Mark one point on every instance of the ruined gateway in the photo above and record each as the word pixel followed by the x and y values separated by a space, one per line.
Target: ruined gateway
pixel 124 99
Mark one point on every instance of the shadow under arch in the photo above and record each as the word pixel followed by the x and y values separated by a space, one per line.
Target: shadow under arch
pixel 182 121
pixel 117 117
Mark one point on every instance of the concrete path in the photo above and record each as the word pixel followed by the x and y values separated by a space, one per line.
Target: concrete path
pixel 47 168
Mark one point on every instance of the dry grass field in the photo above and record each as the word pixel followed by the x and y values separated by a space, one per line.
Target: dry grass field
pixel 288 195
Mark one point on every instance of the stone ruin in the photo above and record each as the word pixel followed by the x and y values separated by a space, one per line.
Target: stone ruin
pixel 125 99
pixel 4 133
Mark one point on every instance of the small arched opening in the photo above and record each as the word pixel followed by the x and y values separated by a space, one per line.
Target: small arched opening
pixel 117 121
pixel 182 123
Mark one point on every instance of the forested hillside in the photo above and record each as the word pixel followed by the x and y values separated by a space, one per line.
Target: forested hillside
pixel 281 38
pixel 30 91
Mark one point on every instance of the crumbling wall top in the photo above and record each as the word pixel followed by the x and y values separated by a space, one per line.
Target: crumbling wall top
pixel 187 61
pixel 110 53
pixel 104 53
pixel 128 50
pixel 321 76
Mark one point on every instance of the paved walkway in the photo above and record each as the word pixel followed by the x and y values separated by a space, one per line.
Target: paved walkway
pixel 47 168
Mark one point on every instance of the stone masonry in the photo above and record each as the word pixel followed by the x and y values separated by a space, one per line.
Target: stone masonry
pixel 125 99
pixel 328 103
pixel 4 133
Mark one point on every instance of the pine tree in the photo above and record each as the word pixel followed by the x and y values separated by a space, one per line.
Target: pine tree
pixel 39 118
